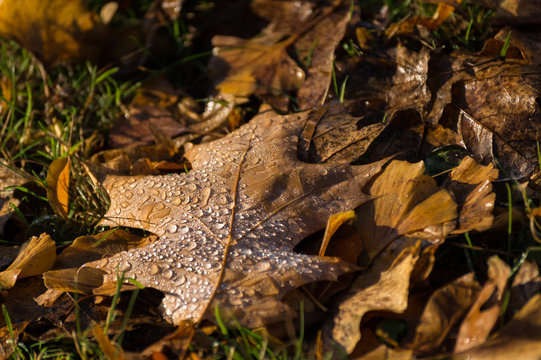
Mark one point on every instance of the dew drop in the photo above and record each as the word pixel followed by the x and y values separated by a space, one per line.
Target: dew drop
pixel 154 269
pixel 172 228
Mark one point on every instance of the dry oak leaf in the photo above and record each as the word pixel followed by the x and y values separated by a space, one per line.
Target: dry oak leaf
pixel 227 228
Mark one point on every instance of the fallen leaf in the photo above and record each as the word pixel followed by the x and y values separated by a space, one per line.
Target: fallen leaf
pixel 334 222
pixel 490 106
pixel 408 212
pixel 526 284
pixel 406 202
pixel 520 338
pixel 471 185
pixel 228 227
pixel 54 30
pixel 7 200
pixel 36 256
pixel 58 180
pixel 522 45
pixel 445 307
pixel 263 67
pixel 330 134
pixel 484 313
pixel 260 66
pixel 514 12
pixel 149 108
pixel 388 293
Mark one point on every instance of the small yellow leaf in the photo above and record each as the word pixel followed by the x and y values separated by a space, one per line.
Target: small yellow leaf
pixel 57 186
pixel 36 256
pixel 334 222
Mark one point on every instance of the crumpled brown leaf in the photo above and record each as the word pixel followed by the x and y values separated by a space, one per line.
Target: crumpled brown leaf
pixel 262 66
pixel 445 307
pixel 54 30
pixel 228 227
pixel 518 339
pixel 484 313
pixel 471 185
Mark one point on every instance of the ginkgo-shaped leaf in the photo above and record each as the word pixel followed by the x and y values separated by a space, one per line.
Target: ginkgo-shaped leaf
pixel 227 229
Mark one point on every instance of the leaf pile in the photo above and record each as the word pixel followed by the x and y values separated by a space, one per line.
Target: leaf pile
pixel 367 175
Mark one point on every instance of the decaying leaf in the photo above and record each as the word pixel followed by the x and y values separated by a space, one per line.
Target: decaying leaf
pixel 58 179
pixel 518 339
pixel 330 134
pixel 54 30
pixel 149 108
pixel 8 178
pixel 227 228
pixel 388 293
pixel 445 307
pixel 262 65
pixel 407 208
pixel 484 313
pixel 406 202
pixel 35 257
pixel 471 184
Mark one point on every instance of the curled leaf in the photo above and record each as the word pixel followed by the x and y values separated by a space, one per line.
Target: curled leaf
pixel 58 178
pixel 35 257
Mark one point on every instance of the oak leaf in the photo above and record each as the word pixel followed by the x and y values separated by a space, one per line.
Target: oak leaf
pixel 227 228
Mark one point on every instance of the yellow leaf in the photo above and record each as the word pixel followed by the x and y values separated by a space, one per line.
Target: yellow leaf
pixel 36 256
pixel 57 186
pixel 334 222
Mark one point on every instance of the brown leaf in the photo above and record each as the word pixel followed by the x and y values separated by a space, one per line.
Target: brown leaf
pixel 35 257
pixel 54 30
pixel 514 12
pixel 334 222
pixel 58 180
pixel 518 339
pixel 385 286
pixel 444 308
pixel 491 106
pixel 526 284
pixel 410 88
pixel 485 311
pixel 522 45
pixel 228 227
pixel 260 66
pixel 106 345
pixel 149 108
pixel 330 134
pixel 263 67
pixel 405 202
pixel 471 184
pixel 8 178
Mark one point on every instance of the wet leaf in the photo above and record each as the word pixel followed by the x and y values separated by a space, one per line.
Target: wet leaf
pixel 35 257
pixel 330 134
pixel 228 227
pixel 54 30
pixel 484 313
pixel 445 307
pixel 489 107
pixel 58 180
